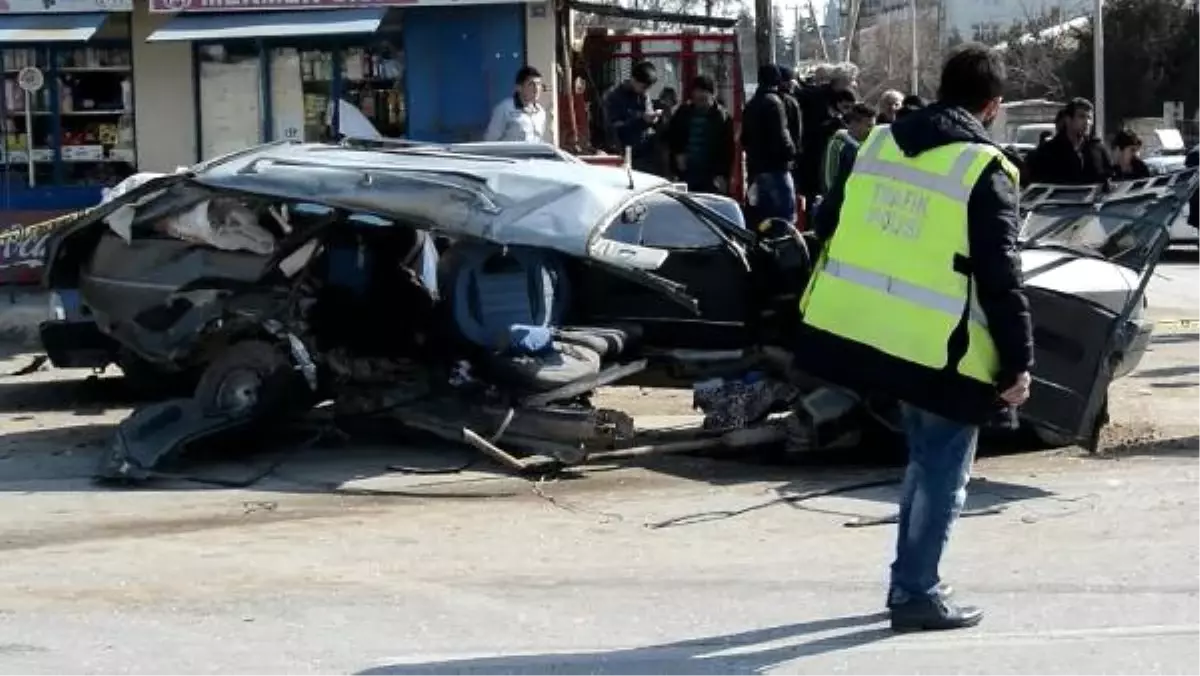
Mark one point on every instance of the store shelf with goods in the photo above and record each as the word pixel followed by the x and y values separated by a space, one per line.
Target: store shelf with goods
pixel 373 81
pixel 80 122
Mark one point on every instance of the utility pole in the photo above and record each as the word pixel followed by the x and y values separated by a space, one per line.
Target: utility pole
pixel 796 35
pixel 764 32
pixel 812 12
pixel 1098 64
pixel 916 59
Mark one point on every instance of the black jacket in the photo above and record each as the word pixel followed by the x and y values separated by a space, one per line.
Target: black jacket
pixel 818 125
pixel 1192 160
pixel 1057 161
pixel 765 137
pixel 1137 169
pixel 719 144
pixel 624 123
pixel 794 115
pixel 993 226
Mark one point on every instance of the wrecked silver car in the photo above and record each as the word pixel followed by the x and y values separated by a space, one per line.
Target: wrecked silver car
pixel 482 299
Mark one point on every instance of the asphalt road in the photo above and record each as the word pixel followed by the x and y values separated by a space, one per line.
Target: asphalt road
pixel 1084 564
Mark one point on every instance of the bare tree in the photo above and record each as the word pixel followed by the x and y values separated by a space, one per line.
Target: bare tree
pixel 1035 50
pixel 884 53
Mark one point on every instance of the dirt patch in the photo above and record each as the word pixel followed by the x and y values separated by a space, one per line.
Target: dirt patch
pixel 642 401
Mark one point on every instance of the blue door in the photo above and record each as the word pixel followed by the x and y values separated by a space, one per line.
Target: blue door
pixel 461 63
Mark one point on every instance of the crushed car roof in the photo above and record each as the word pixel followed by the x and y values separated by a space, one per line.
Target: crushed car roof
pixel 530 202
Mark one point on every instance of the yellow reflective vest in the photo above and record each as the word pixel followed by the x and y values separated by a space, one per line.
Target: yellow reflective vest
pixel 895 282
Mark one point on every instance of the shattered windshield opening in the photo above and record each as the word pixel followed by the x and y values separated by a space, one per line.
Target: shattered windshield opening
pixel 1120 223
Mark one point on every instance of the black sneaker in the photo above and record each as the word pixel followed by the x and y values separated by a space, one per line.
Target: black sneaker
pixel 935 613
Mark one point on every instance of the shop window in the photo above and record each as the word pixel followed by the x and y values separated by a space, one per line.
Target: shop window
pixel 78 127
pixel 230 100
pixel 301 90
pixel 373 82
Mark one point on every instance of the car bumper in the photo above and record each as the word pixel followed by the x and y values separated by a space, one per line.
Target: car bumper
pixel 76 344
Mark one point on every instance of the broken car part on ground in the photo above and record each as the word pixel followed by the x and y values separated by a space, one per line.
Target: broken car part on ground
pixel 483 298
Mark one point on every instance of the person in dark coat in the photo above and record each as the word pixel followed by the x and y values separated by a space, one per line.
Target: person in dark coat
pixel 1128 164
pixel 701 139
pixel 630 118
pixel 790 90
pixel 818 107
pixel 911 104
pixel 1073 156
pixel 769 149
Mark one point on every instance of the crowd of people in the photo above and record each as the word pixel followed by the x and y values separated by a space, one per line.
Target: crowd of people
pixel 800 136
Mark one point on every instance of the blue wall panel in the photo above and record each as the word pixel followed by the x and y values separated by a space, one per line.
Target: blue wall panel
pixel 461 62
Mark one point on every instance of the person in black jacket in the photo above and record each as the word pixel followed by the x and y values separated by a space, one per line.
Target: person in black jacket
pixel 1073 156
pixel 1128 164
pixel 818 107
pixel 769 149
pixel 630 118
pixel 942 443
pixel 789 89
pixel 701 139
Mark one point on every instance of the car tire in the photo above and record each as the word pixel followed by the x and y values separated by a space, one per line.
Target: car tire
pixel 251 378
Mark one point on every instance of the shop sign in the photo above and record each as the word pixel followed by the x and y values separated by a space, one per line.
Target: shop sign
pixel 23 248
pixel 64 6
pixel 263 5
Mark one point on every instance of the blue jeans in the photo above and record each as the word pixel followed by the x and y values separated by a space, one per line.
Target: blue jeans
pixel 940 453
pixel 776 196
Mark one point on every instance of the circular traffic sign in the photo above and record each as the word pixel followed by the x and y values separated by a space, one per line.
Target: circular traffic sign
pixel 30 79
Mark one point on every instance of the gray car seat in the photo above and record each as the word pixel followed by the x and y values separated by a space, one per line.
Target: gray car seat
pixel 509 303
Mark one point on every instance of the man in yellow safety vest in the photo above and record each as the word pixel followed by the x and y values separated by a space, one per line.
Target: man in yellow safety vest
pixel 917 295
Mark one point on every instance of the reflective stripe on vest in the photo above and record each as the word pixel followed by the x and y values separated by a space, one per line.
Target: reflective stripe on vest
pixel 888 277
pixel 927 298
pixel 833 153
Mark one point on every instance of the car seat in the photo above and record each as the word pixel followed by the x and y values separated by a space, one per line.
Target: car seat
pixel 508 304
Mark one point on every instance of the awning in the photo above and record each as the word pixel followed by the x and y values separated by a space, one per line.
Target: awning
pixel 49 27
pixel 234 25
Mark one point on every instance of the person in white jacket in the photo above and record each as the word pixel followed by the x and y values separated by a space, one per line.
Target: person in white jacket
pixel 520 117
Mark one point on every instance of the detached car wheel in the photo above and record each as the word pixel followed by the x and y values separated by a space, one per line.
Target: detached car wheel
pixel 250 378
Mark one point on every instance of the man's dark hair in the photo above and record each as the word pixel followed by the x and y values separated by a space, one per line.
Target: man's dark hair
pixel 1078 105
pixel 1127 138
pixel 844 96
pixel 972 76
pixel 645 73
pixel 860 112
pixel 913 102
pixel 527 73
pixel 705 84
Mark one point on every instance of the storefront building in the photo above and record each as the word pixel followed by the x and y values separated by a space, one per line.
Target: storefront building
pixel 74 129
pixel 150 85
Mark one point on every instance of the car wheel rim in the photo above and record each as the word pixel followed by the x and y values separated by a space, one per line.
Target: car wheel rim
pixel 239 391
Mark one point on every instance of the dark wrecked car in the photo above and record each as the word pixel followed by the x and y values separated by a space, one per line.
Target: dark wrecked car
pixel 482 298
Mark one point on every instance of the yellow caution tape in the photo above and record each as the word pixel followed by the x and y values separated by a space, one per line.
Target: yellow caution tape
pixel 1177 323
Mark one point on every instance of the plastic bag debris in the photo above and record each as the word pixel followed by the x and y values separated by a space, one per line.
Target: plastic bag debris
pixel 222 223
pixel 121 220
pixel 110 194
